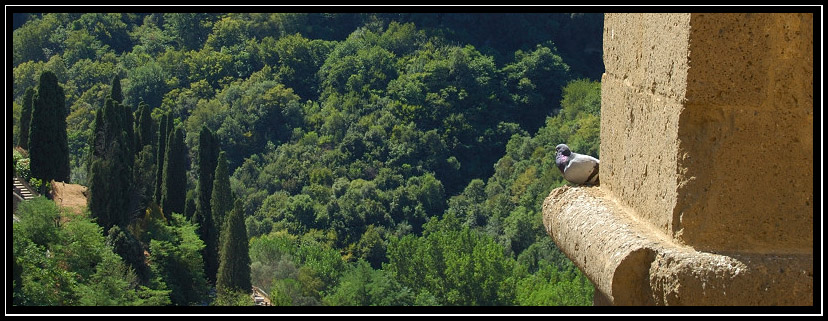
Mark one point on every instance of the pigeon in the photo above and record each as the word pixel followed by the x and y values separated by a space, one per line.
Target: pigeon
pixel 576 168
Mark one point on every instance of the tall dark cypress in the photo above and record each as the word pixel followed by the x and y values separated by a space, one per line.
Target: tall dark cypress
pixel 115 92
pixel 95 140
pixel 144 133
pixel 159 155
pixel 221 197
pixel 110 169
pixel 100 202
pixel 234 267
pixel 25 118
pixel 144 172
pixel 48 144
pixel 208 233
pixel 127 124
pixel 208 150
pixel 190 205
pixel 174 186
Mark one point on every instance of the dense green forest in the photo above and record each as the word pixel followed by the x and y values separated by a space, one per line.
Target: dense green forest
pixel 327 159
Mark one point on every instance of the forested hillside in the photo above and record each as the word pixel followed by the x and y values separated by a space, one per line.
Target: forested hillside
pixel 344 159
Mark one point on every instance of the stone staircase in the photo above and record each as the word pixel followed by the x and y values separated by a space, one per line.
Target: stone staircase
pixel 23 189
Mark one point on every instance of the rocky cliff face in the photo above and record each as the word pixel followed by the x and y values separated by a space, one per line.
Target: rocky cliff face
pixel 706 193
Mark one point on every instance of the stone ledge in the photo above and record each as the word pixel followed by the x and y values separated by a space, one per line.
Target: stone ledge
pixel 630 263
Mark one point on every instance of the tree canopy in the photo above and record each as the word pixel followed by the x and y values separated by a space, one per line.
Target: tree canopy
pixel 326 158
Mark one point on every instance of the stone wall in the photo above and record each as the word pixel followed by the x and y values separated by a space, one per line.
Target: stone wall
pixel 706 193
pixel 746 135
pixel 642 92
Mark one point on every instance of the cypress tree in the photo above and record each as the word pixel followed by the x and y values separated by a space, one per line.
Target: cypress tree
pixel 99 200
pixel 159 155
pixel 127 122
pixel 115 92
pixel 26 118
pixel 190 205
pixel 94 140
pixel 144 172
pixel 48 144
pixel 144 133
pixel 174 186
pixel 234 268
pixel 110 169
pixel 221 197
pixel 208 233
pixel 208 151
pixel 129 248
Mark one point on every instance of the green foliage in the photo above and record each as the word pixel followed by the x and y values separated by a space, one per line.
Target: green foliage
pixel 523 228
pixel 189 30
pixel 175 256
pixel 109 28
pixel 39 221
pixel 298 60
pixel 233 298
pixel 107 279
pixel 42 281
pixel 294 271
pixel 457 267
pixel 535 80
pixel 362 285
pixel 21 166
pixel 72 263
pixel 31 41
pixel 149 37
pixel 147 83
pixel 551 287
pixel 114 284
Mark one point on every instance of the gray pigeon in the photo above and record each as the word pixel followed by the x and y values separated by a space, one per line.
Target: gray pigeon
pixel 576 168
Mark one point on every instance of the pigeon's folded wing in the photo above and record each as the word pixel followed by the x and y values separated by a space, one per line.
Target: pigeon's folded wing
pixel 580 169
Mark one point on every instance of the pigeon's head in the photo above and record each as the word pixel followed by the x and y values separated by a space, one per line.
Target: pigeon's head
pixel 562 149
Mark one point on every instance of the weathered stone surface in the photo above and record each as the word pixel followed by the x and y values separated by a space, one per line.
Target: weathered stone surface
pixel 746 135
pixel 642 94
pixel 631 263
pixel 709 117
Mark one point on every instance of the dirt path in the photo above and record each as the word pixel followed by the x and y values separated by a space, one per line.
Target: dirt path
pixel 69 196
